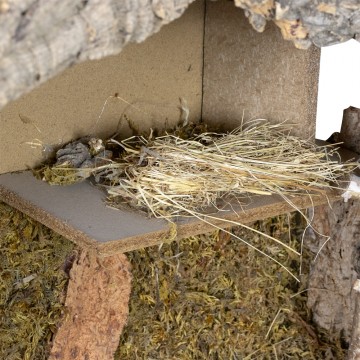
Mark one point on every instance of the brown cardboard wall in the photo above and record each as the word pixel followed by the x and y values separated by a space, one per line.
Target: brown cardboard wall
pixel 151 76
pixel 258 74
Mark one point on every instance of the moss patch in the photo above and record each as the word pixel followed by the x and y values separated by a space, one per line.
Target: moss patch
pixel 205 297
pixel 33 281
pixel 211 297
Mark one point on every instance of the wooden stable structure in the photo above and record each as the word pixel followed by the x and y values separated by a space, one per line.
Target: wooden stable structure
pixel 212 58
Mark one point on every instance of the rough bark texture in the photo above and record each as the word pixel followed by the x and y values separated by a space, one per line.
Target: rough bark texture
pixel 331 296
pixel 354 351
pixel 40 38
pixel 96 308
pixel 350 129
pixel 332 276
pixel 322 22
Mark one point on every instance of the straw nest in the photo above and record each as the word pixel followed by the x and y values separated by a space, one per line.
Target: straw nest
pixel 171 176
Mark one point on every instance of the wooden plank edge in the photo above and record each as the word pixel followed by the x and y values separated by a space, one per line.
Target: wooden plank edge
pixel 47 219
pixel 197 227
pixel 191 227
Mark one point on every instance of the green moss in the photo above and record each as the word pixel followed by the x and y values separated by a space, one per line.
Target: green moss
pixel 211 297
pixel 33 282
pixel 205 297
pixel 60 175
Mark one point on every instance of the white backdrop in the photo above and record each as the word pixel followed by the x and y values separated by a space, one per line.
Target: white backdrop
pixel 339 86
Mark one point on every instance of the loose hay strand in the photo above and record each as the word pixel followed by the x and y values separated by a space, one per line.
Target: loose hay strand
pixel 203 217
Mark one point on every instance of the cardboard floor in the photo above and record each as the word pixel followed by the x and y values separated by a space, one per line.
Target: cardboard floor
pixel 79 212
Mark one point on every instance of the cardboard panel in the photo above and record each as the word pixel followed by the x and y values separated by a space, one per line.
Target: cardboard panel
pixel 258 75
pixel 151 76
pixel 79 212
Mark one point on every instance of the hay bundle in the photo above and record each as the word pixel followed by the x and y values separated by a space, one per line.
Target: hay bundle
pixel 172 176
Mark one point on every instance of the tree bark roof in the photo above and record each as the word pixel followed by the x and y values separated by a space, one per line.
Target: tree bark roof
pixel 306 22
pixel 40 38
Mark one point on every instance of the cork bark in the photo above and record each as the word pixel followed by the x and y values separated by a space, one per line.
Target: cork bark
pixel 40 38
pixel 96 308
pixel 306 22
pixel 331 296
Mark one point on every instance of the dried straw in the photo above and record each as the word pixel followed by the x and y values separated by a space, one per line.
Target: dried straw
pixel 171 176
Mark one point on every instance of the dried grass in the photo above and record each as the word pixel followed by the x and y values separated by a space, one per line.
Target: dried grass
pixel 171 176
